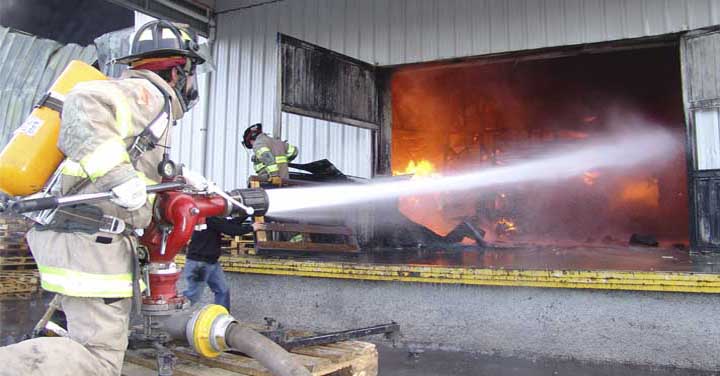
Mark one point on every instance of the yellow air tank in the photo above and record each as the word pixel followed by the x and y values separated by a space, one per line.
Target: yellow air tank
pixel 32 156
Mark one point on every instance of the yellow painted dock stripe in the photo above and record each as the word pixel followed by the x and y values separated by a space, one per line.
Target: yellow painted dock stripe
pixel 581 279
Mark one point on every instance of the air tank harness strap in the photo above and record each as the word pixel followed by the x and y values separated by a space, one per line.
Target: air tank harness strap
pixel 84 218
pixel 136 275
pixel 52 101
pixel 150 136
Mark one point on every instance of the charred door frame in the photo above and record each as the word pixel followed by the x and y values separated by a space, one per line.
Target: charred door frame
pixel 363 75
pixel 382 139
pixel 695 175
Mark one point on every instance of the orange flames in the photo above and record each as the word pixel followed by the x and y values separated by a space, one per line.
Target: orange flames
pixel 643 193
pixel 505 226
pixel 420 169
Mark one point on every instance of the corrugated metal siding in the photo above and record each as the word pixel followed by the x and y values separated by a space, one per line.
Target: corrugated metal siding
pixel 110 46
pixel 28 66
pixel 188 142
pixel 397 32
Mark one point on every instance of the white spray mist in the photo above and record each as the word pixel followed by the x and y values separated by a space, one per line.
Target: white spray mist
pixel 618 151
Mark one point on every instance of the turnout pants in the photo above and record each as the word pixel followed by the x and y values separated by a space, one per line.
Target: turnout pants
pixel 98 339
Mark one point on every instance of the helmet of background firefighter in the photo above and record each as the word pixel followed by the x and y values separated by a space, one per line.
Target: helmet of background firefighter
pixel 160 46
pixel 251 134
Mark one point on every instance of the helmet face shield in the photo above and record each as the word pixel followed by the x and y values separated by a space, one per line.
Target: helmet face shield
pixel 190 96
pixel 186 88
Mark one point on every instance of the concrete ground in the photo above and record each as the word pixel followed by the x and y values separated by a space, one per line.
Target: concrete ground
pixel 17 318
pixel 399 362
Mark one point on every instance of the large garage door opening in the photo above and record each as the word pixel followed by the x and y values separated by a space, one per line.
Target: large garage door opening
pixel 454 117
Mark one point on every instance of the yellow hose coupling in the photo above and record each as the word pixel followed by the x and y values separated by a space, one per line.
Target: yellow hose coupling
pixel 206 329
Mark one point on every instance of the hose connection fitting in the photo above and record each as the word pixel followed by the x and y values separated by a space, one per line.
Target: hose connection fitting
pixel 206 330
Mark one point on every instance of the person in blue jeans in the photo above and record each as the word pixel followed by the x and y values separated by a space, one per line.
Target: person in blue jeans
pixel 201 261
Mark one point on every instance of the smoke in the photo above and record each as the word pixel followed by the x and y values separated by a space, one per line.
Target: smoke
pixel 617 151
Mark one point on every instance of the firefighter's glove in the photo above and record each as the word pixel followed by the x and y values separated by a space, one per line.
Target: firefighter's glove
pixel 131 194
pixel 195 180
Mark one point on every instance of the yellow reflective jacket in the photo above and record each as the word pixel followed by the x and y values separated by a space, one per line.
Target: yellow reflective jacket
pixel 271 156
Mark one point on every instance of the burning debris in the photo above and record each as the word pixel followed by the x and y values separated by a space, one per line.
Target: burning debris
pixel 505 228
pixel 422 168
pixel 644 240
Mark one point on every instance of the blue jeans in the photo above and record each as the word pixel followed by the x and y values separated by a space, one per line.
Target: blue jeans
pixel 197 273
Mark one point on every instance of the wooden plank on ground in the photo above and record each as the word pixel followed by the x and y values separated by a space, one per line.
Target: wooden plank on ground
pixel 249 366
pixel 337 352
pixel 147 360
pixel 351 358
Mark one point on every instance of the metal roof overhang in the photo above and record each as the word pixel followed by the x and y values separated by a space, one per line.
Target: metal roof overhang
pixel 196 14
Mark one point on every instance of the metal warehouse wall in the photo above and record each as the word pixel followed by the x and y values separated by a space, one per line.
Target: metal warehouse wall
pixel 396 32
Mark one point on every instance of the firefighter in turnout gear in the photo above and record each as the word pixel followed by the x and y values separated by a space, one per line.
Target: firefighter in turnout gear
pixel 114 134
pixel 270 155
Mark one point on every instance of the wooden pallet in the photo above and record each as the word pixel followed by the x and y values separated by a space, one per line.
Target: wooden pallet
pixel 17 252
pixel 18 282
pixel 12 237
pixel 14 224
pixel 12 233
pixel 351 358
pixel 6 243
pixel 306 232
pixel 17 263
pixel 239 245
pixel 7 247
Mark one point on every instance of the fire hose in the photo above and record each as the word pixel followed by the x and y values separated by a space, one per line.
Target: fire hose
pixel 211 331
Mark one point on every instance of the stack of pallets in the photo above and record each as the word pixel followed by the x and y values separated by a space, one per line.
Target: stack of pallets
pixel 238 245
pixel 18 274
pixel 18 284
